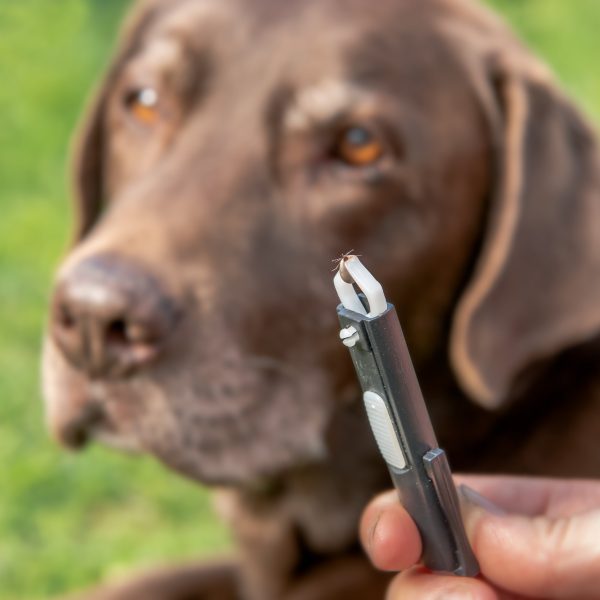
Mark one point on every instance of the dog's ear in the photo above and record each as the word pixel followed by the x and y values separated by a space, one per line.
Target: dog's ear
pixel 89 146
pixel 535 289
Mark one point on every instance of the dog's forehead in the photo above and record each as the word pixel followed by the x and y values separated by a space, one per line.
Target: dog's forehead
pixel 237 31
pixel 315 47
pixel 303 35
pixel 294 15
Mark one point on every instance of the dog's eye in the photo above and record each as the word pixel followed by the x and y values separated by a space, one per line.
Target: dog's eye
pixel 358 147
pixel 143 105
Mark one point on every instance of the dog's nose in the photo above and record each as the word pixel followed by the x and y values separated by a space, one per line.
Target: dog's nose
pixel 110 316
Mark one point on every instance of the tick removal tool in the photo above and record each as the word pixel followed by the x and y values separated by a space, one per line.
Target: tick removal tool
pixel 399 419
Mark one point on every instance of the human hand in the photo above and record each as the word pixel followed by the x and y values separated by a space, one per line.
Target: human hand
pixel 534 538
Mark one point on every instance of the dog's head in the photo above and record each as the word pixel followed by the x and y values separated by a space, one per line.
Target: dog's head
pixel 235 148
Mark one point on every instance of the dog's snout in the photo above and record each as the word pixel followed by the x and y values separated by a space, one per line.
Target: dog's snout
pixel 110 316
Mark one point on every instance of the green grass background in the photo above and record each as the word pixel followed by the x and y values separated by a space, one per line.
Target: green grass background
pixel 67 521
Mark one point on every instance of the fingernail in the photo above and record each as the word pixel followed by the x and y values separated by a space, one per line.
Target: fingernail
pixel 372 531
pixel 473 497
pixel 457 592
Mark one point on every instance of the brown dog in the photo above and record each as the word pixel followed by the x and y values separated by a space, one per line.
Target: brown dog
pixel 232 151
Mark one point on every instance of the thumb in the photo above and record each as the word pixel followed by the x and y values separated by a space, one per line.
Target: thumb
pixel 535 556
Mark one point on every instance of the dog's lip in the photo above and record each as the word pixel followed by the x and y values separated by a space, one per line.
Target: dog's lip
pixel 94 426
pixel 77 432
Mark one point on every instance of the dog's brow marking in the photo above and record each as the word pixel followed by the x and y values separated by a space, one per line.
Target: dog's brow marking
pixel 186 17
pixel 320 102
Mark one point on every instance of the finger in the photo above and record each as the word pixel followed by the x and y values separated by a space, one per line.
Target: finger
pixel 536 556
pixel 421 584
pixel 389 535
pixel 536 495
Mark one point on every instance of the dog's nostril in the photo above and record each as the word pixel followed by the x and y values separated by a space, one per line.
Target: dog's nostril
pixel 117 333
pixel 64 317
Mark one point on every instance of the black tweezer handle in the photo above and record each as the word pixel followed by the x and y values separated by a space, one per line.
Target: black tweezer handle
pixel 402 428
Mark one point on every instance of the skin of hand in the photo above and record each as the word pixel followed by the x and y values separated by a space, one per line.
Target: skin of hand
pixel 533 537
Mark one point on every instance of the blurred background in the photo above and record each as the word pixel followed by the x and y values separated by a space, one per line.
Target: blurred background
pixel 67 521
